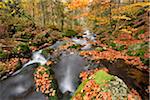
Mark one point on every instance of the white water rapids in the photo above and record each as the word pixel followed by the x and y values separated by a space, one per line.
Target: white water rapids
pixel 37 57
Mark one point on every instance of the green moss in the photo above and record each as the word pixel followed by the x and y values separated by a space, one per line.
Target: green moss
pixel 19 65
pixel 145 60
pixel 3 54
pixel 46 52
pixel 101 77
pixel 116 46
pixel 69 33
pixel 120 48
pixel 80 87
pixel 21 48
pixel 54 86
pixel 138 49
pixel 138 33
pixel 75 46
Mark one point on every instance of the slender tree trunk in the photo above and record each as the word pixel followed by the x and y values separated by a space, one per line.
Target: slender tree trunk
pixel 110 16
pixel 134 1
pixel 33 10
pixel 118 3
pixel 43 13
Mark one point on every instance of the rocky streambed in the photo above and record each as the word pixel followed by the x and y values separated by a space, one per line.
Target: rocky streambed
pixel 64 65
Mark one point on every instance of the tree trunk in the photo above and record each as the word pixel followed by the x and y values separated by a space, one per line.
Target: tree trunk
pixel 33 10
pixel 110 17
pixel 43 13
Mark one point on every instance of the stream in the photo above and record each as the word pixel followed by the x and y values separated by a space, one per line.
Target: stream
pixel 20 85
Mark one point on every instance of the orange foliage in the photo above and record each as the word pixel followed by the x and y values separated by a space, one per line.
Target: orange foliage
pixel 86 74
pixel 127 39
pixel 92 90
pixel 111 54
pixel 75 4
pixel 42 81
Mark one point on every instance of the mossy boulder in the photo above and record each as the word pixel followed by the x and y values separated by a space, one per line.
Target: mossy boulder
pixel 99 77
pixel 102 85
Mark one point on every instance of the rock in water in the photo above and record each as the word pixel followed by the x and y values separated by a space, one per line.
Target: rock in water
pixel 67 72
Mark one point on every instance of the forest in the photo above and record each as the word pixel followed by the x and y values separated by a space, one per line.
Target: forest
pixel 74 49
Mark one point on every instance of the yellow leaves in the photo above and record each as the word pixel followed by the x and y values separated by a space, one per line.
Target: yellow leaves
pixel 31 1
pixel 130 8
pixel 142 4
pixel 2 5
pixel 9 1
pixel 75 4
pixel 126 31
pixel 123 17
pixel 100 20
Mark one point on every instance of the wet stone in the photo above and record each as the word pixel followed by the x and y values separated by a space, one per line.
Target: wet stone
pixel 20 86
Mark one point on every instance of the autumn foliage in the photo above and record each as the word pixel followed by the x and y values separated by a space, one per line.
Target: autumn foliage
pixel 43 81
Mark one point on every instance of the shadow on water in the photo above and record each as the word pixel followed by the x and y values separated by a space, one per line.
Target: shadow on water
pixel 133 77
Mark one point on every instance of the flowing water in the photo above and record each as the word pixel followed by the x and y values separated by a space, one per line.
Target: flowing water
pixel 20 86
pixel 36 58
pixel 87 36
pixel 67 72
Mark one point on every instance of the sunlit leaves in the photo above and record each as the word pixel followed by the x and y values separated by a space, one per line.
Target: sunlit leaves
pixel 2 5
pixel 123 17
pixel 76 4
